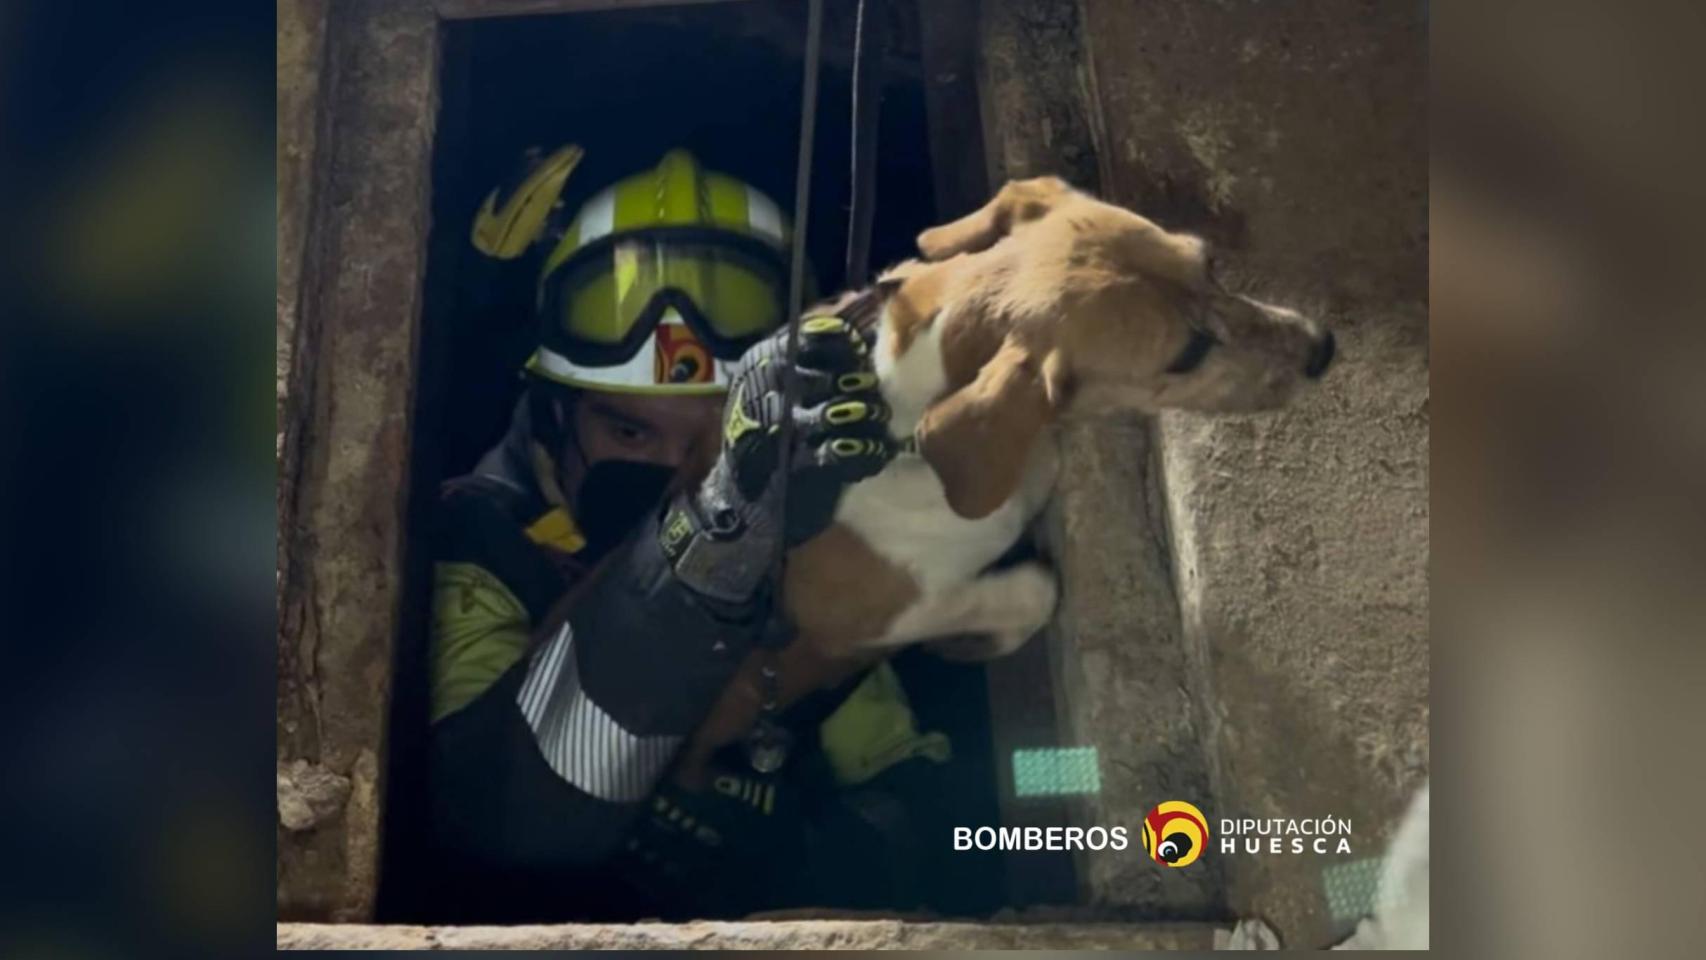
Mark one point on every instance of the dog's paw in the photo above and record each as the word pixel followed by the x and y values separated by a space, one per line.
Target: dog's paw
pixel 1031 593
pixel 1021 600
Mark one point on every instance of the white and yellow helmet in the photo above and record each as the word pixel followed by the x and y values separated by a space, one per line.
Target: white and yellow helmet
pixel 661 282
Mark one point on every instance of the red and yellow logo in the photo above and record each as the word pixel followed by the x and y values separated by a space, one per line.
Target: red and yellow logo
pixel 1175 833
pixel 681 358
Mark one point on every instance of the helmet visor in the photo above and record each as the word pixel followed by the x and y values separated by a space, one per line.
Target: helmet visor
pixel 600 305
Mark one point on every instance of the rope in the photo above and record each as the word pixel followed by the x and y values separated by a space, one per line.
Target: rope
pixel 868 43
pixel 797 271
pixel 769 742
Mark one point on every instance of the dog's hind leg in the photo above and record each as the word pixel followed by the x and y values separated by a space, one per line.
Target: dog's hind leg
pixel 1002 608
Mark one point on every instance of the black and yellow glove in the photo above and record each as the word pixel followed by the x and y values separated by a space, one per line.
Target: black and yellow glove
pixel 726 851
pixel 722 538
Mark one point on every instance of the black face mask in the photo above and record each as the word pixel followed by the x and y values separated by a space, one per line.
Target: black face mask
pixel 614 496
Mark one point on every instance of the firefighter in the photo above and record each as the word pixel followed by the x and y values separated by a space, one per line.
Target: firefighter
pixel 645 446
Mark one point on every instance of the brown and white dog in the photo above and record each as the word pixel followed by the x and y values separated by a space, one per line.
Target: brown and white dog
pixel 1046 303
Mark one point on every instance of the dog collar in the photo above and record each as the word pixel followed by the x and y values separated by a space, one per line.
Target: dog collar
pixel 1196 349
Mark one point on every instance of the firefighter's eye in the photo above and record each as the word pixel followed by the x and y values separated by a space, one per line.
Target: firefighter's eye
pixel 627 434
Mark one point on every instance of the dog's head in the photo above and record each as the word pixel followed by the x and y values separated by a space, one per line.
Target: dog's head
pixel 1053 304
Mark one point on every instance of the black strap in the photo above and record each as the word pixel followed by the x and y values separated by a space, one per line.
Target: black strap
pixel 767 744
pixel 859 308
pixel 868 44
pixel 797 268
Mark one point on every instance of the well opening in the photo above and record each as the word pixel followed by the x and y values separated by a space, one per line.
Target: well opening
pixel 722 81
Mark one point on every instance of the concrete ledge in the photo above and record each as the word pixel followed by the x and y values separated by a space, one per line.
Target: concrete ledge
pixel 754 935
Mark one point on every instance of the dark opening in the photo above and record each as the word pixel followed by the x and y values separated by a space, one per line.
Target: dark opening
pixel 723 81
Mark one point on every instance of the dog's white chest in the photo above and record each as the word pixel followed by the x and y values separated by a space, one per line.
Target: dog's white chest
pixel 904 515
pixel 903 512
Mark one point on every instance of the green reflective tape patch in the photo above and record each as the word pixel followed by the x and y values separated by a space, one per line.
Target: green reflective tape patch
pixel 1351 887
pixel 1056 772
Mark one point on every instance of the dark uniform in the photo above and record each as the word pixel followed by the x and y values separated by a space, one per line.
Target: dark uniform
pixel 550 747
pixel 549 795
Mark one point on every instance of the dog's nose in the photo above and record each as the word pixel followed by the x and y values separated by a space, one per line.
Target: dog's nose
pixel 1321 357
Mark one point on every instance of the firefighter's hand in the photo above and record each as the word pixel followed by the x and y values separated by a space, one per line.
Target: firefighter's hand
pixel 840 423
pixel 840 437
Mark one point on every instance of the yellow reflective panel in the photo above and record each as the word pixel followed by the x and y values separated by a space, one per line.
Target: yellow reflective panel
pixel 636 282
pixel 479 630
pixel 601 306
pixel 684 269
pixel 627 269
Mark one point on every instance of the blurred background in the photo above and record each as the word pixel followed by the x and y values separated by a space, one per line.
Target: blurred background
pixel 136 167
pixel 1569 449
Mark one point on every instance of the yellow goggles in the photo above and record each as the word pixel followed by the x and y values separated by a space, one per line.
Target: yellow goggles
pixel 602 303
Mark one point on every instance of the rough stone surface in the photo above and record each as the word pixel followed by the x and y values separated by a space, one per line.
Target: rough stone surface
pixel 1119 674
pixel 1301 551
pixel 457 9
pixel 1295 136
pixel 1119 666
pixel 1023 73
pixel 309 795
pixel 1244 614
pixel 1035 118
pixel 754 935
pixel 344 472
pixel 301 55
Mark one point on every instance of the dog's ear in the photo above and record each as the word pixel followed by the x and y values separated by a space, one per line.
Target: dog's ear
pixel 979 438
pixel 1020 201
pixel 891 279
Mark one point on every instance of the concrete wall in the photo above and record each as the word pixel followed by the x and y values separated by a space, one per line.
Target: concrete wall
pixel 349 309
pixel 1114 652
pixel 1294 135
pixel 1244 614
pixel 777 934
